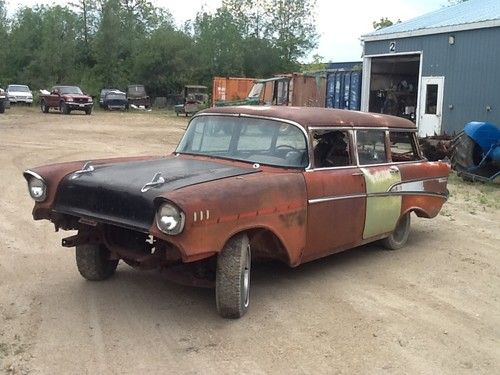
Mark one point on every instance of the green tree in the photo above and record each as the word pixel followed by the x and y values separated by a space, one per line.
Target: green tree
pixel 165 61
pixel 23 46
pixel 289 25
pixel 218 43
pixel 111 47
pixel 315 65
pixel 293 28
pixel 4 38
pixel 383 22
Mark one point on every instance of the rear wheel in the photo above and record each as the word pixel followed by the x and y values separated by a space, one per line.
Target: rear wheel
pixel 467 153
pixel 94 263
pixel 399 236
pixel 232 280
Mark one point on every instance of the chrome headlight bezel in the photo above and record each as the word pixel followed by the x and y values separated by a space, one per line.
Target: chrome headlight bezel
pixel 37 187
pixel 170 219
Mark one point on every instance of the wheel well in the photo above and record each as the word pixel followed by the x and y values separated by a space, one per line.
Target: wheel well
pixel 266 245
pixel 419 212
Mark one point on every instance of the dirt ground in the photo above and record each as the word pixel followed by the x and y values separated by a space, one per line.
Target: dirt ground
pixel 430 308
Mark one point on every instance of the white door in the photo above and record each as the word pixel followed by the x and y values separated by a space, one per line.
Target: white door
pixel 431 106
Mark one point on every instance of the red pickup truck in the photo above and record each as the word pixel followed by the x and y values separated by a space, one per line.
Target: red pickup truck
pixel 66 99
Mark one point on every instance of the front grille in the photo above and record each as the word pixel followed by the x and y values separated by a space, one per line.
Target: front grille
pixel 131 210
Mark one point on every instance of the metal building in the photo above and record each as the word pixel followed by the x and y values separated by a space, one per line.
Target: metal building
pixel 441 69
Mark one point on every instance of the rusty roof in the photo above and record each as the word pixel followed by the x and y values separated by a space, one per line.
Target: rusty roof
pixel 318 117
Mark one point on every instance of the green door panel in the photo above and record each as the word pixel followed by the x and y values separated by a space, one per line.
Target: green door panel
pixel 382 212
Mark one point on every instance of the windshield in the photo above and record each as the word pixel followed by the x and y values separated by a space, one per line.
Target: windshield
pixel 70 90
pixel 256 90
pixel 137 90
pixel 115 95
pixel 247 139
pixel 18 88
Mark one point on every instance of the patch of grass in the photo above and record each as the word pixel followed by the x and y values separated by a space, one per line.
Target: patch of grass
pixel 4 350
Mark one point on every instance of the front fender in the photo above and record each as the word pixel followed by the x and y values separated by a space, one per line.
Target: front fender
pixel 217 210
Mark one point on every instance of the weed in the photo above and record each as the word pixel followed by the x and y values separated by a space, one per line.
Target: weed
pixel 4 349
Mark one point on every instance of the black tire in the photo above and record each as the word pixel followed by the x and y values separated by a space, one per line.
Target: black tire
pixel 232 278
pixel 2 107
pixel 44 107
pixel 466 154
pixel 64 108
pixel 88 111
pixel 399 236
pixel 93 262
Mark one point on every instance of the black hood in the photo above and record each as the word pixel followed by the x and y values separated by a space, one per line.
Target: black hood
pixel 112 192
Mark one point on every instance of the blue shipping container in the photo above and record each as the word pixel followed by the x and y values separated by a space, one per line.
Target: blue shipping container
pixel 343 89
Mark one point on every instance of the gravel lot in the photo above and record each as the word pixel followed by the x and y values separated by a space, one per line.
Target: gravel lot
pixel 430 308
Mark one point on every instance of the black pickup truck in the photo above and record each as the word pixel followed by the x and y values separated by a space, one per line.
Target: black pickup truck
pixel 4 101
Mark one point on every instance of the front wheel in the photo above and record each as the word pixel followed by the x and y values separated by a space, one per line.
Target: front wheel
pixel 399 235
pixel 88 111
pixel 232 279
pixel 93 262
pixel 64 108
pixel 44 107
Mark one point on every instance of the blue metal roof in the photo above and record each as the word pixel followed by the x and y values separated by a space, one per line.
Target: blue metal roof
pixel 470 11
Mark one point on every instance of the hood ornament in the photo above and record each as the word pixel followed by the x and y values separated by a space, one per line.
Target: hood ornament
pixel 87 168
pixel 156 181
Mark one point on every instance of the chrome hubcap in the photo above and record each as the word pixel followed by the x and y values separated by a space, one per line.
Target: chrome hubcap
pixel 246 277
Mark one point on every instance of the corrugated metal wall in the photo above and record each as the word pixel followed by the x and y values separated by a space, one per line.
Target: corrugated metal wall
pixel 343 90
pixel 471 68
pixel 231 88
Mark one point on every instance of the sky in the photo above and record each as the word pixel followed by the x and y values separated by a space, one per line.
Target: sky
pixel 339 23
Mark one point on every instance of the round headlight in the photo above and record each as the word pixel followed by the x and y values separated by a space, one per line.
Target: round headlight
pixel 37 189
pixel 169 219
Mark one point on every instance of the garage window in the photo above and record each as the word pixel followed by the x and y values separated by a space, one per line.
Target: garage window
pixel 403 146
pixel 371 146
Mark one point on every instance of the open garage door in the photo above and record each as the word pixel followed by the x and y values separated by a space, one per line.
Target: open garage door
pixel 394 85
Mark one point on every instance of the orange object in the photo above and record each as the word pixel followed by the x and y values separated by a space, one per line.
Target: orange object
pixel 231 88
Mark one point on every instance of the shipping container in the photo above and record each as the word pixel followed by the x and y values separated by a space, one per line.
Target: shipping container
pixel 308 90
pixel 230 88
pixel 343 88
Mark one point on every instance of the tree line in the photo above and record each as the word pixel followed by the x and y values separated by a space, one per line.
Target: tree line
pixel 112 43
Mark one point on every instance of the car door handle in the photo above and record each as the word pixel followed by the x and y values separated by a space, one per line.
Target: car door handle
pixel 357 174
pixel 393 170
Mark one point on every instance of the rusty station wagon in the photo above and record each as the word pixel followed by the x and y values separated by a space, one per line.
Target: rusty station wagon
pixel 245 183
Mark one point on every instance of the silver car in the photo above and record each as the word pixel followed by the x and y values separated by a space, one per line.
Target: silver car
pixel 19 94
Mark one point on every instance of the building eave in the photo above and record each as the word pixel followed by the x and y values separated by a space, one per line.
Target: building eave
pixel 432 31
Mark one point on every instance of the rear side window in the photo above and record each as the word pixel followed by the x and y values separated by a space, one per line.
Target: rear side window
pixel 331 148
pixel 403 147
pixel 371 146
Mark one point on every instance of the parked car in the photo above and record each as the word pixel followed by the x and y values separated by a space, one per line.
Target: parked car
pixel 66 99
pixel 19 94
pixel 195 98
pixel 103 94
pixel 4 101
pixel 137 96
pixel 245 183
pixel 114 99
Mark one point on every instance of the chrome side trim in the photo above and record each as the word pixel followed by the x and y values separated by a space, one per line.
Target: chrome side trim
pixel 440 179
pixel 374 195
pixel 336 198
